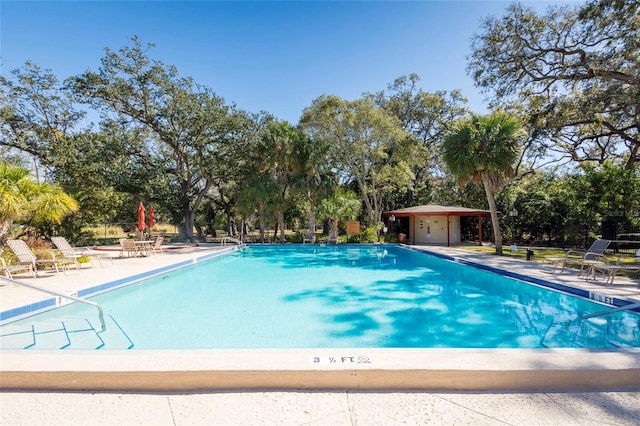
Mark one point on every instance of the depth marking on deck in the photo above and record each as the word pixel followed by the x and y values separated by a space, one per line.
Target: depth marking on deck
pixel 357 359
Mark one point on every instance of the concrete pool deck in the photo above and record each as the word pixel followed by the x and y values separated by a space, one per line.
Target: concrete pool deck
pixel 555 386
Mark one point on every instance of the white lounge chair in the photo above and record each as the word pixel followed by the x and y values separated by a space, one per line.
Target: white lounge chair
pixel 69 252
pixel 26 256
pixel 9 270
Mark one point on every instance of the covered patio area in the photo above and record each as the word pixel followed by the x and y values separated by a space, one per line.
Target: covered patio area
pixel 432 223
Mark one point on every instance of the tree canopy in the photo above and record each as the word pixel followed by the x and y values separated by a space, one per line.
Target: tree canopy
pixel 366 145
pixel 428 117
pixel 569 77
pixel 576 70
pixel 188 126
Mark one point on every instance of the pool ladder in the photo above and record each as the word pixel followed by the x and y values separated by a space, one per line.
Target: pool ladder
pixel 569 330
pixel 226 240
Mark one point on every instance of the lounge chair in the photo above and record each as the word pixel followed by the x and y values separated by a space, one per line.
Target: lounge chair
pixel 309 237
pixel 9 270
pixel 610 270
pixel 592 256
pixel 69 252
pixel 590 265
pixel 26 257
pixel 332 238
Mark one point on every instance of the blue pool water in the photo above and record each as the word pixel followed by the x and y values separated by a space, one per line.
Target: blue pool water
pixel 348 296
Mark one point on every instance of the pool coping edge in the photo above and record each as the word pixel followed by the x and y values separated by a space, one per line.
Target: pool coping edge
pixel 340 368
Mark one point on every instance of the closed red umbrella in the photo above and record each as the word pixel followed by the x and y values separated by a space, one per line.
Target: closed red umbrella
pixel 141 225
pixel 151 217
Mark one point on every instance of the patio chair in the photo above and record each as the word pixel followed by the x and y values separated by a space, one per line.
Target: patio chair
pixel 332 238
pixel 26 257
pixel 9 270
pixel 610 270
pixel 69 252
pixel 589 266
pixel 156 247
pixel 128 246
pixel 592 256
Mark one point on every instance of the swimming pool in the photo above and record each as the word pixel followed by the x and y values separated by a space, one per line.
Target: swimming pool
pixel 334 296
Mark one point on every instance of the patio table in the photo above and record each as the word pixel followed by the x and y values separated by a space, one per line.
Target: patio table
pixel 143 246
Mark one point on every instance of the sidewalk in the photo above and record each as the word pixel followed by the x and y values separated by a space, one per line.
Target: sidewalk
pixel 348 408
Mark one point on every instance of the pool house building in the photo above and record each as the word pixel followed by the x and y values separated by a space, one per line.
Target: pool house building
pixel 436 224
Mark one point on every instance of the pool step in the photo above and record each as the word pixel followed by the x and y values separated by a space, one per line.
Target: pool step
pixel 593 333
pixel 616 332
pixel 72 333
pixel 17 336
pixel 115 337
pixel 82 335
pixel 561 334
pixel 39 335
pixel 624 333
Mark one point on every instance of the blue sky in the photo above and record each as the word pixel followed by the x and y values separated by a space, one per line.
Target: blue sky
pixel 271 56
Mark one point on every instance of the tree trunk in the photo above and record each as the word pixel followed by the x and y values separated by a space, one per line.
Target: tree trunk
pixel 379 208
pixel 367 202
pixel 4 228
pixel 185 230
pixel 497 235
pixel 410 195
pixel 631 162
pixel 262 225
pixel 312 214
pixel 280 216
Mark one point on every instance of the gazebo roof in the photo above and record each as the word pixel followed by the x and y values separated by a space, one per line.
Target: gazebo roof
pixel 436 209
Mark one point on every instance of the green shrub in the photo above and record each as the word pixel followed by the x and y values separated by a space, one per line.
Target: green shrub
pixel 391 238
pixel 368 235
pixel 296 237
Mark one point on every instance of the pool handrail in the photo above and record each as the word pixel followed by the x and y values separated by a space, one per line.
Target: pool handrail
pixel 611 311
pixel 230 239
pixel 103 326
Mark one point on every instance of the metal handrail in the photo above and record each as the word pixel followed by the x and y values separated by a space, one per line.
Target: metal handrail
pixel 103 326
pixel 235 240
pixel 611 311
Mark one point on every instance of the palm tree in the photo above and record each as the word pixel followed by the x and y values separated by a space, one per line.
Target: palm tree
pixel 256 195
pixel 483 149
pixel 24 198
pixel 279 141
pixel 342 205
pixel 312 176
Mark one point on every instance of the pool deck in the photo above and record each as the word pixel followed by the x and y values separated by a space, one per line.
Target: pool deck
pixel 439 386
